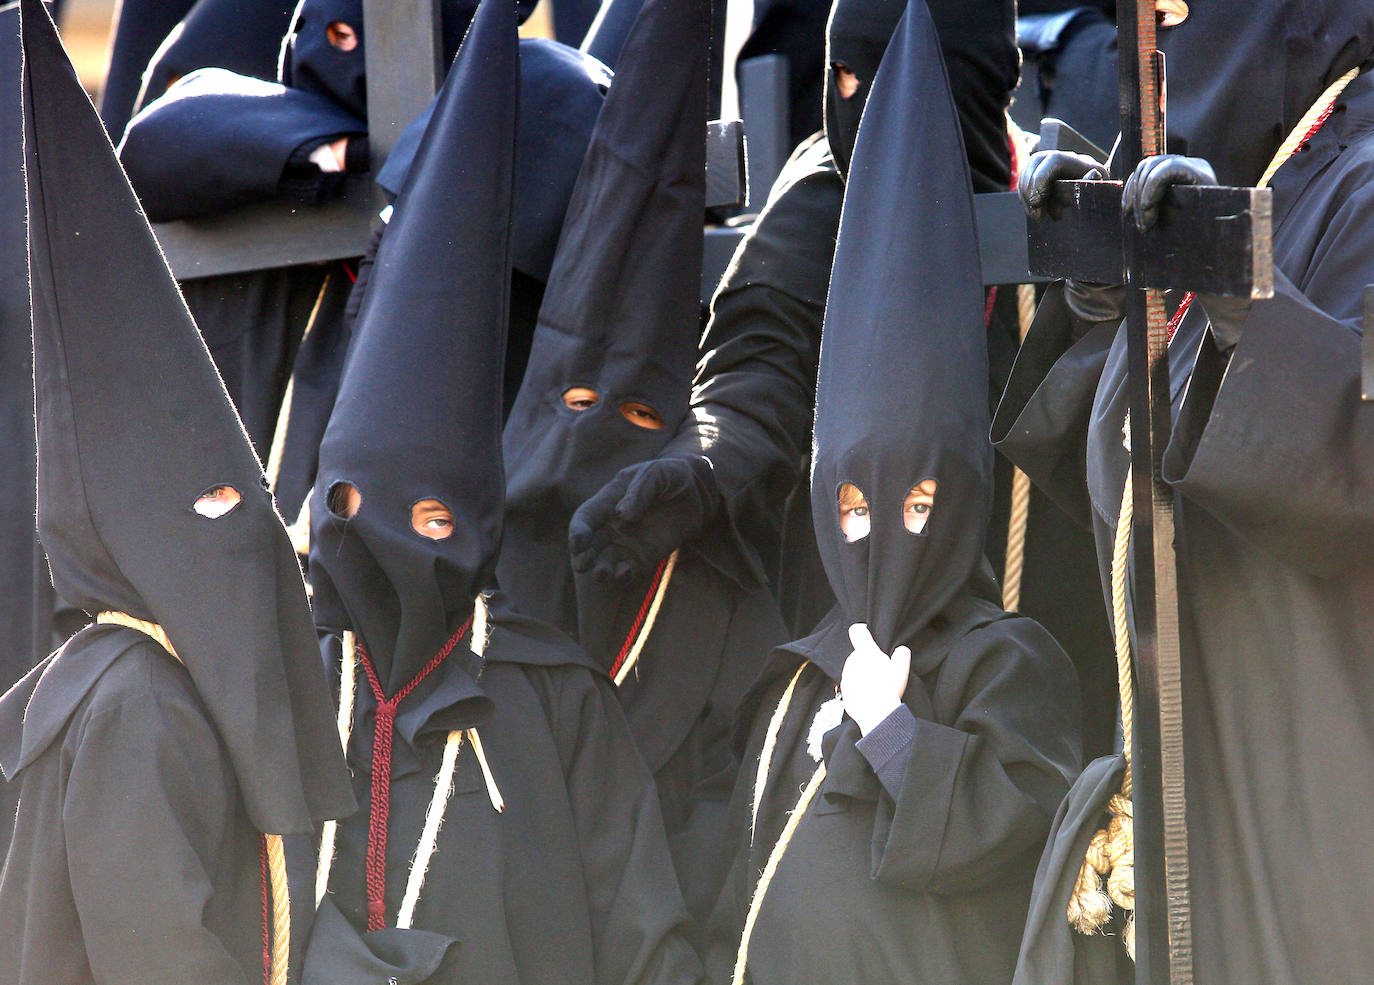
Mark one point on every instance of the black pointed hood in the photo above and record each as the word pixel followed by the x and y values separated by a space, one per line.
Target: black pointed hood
pixel 418 415
pixel 134 426
pixel 1241 75
pixel 902 390
pixel 856 37
pixel 621 313
pixel 609 29
pixel 229 34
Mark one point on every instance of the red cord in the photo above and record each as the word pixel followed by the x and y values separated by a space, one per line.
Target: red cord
pixel 383 731
pixel 639 619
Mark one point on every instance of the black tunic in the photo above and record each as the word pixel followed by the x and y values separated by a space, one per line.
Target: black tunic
pixel 133 859
pixel 914 861
pixel 1269 460
pixel 572 882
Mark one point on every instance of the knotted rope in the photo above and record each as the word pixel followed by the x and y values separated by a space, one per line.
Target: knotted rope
pixel 1020 482
pixel 276 928
pixel 628 657
pixel 1107 875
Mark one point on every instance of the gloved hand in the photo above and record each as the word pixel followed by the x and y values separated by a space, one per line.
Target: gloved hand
pixel 872 683
pixel 647 511
pixel 1089 302
pixel 1154 176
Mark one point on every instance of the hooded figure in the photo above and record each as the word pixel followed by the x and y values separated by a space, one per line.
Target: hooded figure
pixel 925 795
pixel 607 384
pixel 228 34
pixel 160 748
pixel 1269 583
pixel 407 518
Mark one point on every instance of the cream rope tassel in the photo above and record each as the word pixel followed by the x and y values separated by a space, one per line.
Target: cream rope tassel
pixel 769 870
pixel 1020 483
pixel 632 657
pixel 498 802
pixel 348 687
pixel 281 910
pixel 770 741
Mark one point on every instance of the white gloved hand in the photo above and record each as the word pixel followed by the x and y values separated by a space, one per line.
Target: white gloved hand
pixel 872 682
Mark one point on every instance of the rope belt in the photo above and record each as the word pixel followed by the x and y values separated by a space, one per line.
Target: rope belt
pixel 383 734
pixel 628 657
pixel 276 899
pixel 1107 875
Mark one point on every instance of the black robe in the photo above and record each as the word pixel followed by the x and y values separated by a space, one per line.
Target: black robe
pixel 914 861
pixel 571 883
pixel 133 858
pixel 1269 461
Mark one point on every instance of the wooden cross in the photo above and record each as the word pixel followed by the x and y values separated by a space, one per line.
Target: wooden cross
pixel 1208 239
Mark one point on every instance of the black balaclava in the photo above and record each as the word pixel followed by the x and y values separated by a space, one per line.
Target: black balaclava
pixel 419 409
pixel 855 37
pixel 242 37
pixel 1241 75
pixel 621 314
pixel 902 391
pixel 310 62
pixel 134 426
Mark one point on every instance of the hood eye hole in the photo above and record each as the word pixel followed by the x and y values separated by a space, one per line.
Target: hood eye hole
pixel 918 505
pixel 1170 13
pixel 431 518
pixel 846 82
pixel 580 398
pixel 344 500
pixel 641 415
pixel 341 36
pixel 217 501
pixel 853 510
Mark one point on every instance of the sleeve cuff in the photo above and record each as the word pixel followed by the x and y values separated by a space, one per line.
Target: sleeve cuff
pixel 885 748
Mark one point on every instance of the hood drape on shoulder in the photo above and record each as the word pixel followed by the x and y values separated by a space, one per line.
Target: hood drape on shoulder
pixel 134 427
pixel 902 388
pixel 1240 76
pixel 621 313
pixel 418 415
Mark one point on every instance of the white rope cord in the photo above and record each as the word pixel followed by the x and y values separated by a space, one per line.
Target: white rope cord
pixel 1107 875
pixel 274 455
pixel 348 686
pixel 443 780
pixel 769 870
pixel 632 658
pixel 770 741
pixel 1020 483
pixel 443 788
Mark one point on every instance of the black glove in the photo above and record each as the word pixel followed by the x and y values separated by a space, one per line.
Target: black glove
pixel 1045 168
pixel 642 515
pixel 1153 177
pixel 1088 302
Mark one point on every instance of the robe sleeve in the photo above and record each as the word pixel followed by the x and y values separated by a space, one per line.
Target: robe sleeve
pixel 639 922
pixel 1041 423
pixel 1277 443
pixel 977 793
pixel 145 817
pixel 217 140
pixel 752 402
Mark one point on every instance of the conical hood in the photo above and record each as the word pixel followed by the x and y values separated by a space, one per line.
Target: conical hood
pixel 418 417
pixel 620 321
pixel 901 399
pixel 134 428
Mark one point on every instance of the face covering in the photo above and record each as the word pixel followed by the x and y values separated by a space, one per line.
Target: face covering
pixel 901 396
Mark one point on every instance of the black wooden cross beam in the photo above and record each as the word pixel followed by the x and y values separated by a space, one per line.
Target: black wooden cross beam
pixel 1207 239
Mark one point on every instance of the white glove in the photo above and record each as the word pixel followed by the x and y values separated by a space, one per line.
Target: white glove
pixel 872 682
